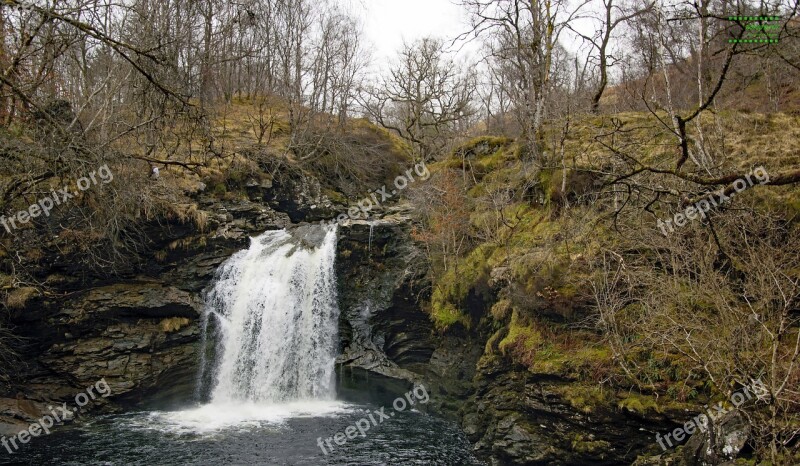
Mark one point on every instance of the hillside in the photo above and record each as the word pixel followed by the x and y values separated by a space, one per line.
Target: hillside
pixel 572 280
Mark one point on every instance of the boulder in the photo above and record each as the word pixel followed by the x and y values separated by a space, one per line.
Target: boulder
pixel 721 442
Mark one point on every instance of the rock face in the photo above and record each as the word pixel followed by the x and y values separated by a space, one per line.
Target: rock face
pixel 139 334
pixel 516 417
pixel 17 414
pixel 133 335
pixel 382 326
pixel 296 193
pixel 722 442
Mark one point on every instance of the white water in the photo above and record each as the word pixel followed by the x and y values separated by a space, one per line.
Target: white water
pixel 369 246
pixel 274 307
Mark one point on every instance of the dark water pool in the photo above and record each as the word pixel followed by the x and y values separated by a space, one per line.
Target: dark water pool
pixel 251 435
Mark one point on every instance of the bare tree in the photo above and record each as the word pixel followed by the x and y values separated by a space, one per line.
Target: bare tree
pixel 613 15
pixel 724 302
pixel 523 37
pixel 337 62
pixel 424 97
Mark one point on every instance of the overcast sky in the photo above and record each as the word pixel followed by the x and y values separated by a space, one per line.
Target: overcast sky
pixel 388 22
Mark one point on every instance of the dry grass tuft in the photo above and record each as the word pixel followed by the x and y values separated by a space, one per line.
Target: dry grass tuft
pixel 173 324
pixel 19 297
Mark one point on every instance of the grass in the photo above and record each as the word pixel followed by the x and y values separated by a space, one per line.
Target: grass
pixel 18 298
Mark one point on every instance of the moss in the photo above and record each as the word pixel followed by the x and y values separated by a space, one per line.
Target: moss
pixel 587 445
pixel 590 362
pixel 335 196
pixel 585 398
pixel 754 462
pixel 639 404
pixel 445 315
pixel 451 290
pixel 501 309
pixel 481 146
pixel 492 161
pixel 550 181
pixel 483 156
pixel 567 291
pixel 398 145
pixel 534 228
pixel 521 338
pixel 508 176
pixel 493 341
pixel 549 360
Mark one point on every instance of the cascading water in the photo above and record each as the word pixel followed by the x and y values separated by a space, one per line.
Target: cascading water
pixel 274 308
pixel 272 317
pixel 369 245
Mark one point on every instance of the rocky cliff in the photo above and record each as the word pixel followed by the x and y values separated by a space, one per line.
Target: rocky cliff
pixel 511 415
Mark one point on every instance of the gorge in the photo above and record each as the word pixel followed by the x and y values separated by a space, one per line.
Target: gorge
pixel 264 231
pixel 275 320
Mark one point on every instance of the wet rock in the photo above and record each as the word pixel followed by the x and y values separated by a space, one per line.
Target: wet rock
pixel 17 414
pixel 722 441
pixel 128 334
pixel 382 327
pixel 308 236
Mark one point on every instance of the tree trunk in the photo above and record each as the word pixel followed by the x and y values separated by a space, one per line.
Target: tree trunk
pixel 3 100
pixel 601 87
pixel 205 66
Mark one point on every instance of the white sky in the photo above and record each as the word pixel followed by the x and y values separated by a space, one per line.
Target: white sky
pixel 388 22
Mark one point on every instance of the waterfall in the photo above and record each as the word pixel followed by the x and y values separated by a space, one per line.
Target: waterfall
pixel 369 245
pixel 276 318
